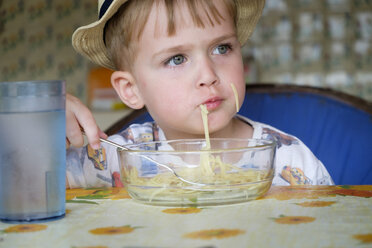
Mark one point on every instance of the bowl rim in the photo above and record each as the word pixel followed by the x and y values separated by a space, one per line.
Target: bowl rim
pixel 267 143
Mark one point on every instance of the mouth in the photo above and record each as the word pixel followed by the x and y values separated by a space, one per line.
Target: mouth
pixel 213 103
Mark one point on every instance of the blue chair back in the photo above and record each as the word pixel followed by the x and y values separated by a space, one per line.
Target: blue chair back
pixel 336 127
pixel 136 116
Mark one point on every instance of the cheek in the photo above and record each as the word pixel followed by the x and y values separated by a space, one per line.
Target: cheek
pixel 169 108
pixel 241 94
pixel 169 99
pixel 232 68
pixel 233 72
pixel 236 76
pixel 173 101
pixel 238 68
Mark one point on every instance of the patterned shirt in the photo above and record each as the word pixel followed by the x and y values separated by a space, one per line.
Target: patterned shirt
pixel 294 163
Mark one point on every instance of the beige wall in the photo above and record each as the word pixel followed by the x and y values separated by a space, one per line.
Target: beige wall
pixel 325 43
pixel 36 41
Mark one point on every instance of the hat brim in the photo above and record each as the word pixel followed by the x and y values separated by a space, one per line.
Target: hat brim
pixel 248 15
pixel 88 40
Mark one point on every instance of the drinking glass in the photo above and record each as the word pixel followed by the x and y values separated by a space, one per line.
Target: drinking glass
pixel 32 151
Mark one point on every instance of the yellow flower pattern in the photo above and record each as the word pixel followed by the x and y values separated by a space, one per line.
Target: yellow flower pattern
pixel 112 230
pixel 294 219
pixel 214 233
pixel 25 228
pixel 74 195
pixel 365 238
pixel 316 203
pixel 284 193
pixel 302 206
pixel 181 210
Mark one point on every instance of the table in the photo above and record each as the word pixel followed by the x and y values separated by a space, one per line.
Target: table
pixel 287 216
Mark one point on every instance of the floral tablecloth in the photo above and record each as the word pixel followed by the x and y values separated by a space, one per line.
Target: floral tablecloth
pixel 292 216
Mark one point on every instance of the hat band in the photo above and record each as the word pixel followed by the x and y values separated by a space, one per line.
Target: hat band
pixel 106 4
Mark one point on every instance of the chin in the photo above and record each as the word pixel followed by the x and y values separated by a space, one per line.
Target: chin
pixel 219 123
pixel 214 131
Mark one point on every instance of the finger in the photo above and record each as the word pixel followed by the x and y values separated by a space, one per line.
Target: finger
pixel 103 134
pixel 73 133
pixel 81 118
pixel 91 130
pixel 67 143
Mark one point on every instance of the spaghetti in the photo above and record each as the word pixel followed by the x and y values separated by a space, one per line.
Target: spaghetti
pixel 225 181
pixel 236 97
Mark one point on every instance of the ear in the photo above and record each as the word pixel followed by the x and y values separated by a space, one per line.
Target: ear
pixel 125 86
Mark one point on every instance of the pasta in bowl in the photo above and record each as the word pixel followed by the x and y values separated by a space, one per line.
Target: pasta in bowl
pixel 233 171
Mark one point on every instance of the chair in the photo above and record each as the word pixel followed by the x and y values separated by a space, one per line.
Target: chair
pixel 337 127
pixel 136 116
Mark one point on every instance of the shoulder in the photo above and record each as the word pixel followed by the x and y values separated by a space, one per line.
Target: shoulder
pixel 295 163
pixel 137 133
pixel 265 131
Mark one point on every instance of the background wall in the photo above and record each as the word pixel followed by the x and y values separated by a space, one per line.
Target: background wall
pixel 35 40
pixel 325 43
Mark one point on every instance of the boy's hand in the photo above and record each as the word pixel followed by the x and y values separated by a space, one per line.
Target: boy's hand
pixel 78 117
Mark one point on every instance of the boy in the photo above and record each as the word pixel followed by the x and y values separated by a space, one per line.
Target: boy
pixel 172 57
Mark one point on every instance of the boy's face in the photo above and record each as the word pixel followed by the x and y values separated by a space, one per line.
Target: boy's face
pixel 175 74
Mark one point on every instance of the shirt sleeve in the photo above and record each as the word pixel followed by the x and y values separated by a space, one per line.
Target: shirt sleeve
pixel 295 164
pixel 86 167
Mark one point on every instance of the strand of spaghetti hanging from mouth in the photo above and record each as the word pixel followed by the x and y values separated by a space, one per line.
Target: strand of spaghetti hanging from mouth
pixel 205 158
pixel 236 97
pixel 204 114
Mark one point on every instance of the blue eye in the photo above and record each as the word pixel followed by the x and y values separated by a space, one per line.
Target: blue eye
pixel 222 49
pixel 176 60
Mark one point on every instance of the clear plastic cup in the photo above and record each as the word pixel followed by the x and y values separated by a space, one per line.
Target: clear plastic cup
pixel 32 151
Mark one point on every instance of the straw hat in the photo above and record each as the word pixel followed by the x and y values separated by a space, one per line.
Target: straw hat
pixel 89 41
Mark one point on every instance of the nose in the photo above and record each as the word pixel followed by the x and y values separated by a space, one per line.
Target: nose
pixel 207 75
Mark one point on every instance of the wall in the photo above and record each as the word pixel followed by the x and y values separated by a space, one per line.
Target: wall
pixel 35 41
pixel 325 43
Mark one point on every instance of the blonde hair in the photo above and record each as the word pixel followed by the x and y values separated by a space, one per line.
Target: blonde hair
pixel 129 22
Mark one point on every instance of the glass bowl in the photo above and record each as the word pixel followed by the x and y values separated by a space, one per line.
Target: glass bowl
pixel 233 171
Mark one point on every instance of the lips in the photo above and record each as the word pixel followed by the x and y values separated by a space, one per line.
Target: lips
pixel 213 103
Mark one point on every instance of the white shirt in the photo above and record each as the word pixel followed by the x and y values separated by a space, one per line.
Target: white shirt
pixel 294 162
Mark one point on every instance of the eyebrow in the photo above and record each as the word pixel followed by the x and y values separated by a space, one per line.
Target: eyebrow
pixel 175 49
